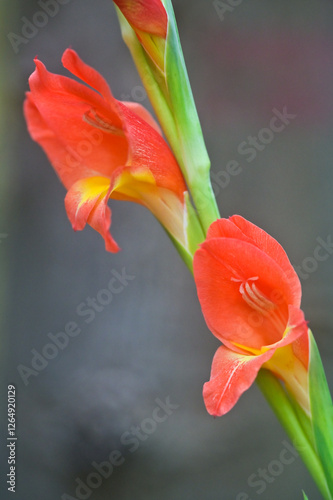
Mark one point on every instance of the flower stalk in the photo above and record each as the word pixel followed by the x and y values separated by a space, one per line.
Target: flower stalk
pixel 170 93
pixel 285 413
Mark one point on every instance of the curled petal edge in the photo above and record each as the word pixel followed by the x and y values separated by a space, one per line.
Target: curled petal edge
pixel 234 372
pixel 86 202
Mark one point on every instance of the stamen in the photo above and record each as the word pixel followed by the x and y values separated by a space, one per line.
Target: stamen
pixel 97 121
pixel 254 298
pixel 268 304
pixel 260 303
pixel 249 300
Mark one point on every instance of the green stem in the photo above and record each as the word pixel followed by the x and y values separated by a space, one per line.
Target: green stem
pixel 283 409
pixel 321 412
pixel 171 97
pixel 152 86
pixel 205 202
pixel 194 159
pixel 199 186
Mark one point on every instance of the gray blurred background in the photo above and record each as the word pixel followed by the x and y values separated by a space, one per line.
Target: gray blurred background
pixel 151 341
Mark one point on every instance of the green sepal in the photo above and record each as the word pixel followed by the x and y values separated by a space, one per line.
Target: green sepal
pixel 194 232
pixel 183 252
pixel 304 420
pixel 281 404
pixel 321 412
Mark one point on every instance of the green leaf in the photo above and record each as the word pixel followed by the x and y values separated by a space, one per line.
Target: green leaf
pixel 321 412
pixel 304 496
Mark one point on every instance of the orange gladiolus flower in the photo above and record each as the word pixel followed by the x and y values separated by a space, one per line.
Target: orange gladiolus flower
pixel 250 297
pixel 102 148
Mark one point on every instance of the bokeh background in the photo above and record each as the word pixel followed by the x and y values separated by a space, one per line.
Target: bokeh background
pixel 151 341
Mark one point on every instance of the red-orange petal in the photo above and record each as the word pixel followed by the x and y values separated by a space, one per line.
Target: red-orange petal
pixel 80 147
pixel 149 150
pixel 240 228
pixel 86 202
pixel 233 372
pixel 146 15
pixel 87 134
pixel 143 113
pixel 90 76
pixel 55 110
pixel 243 292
